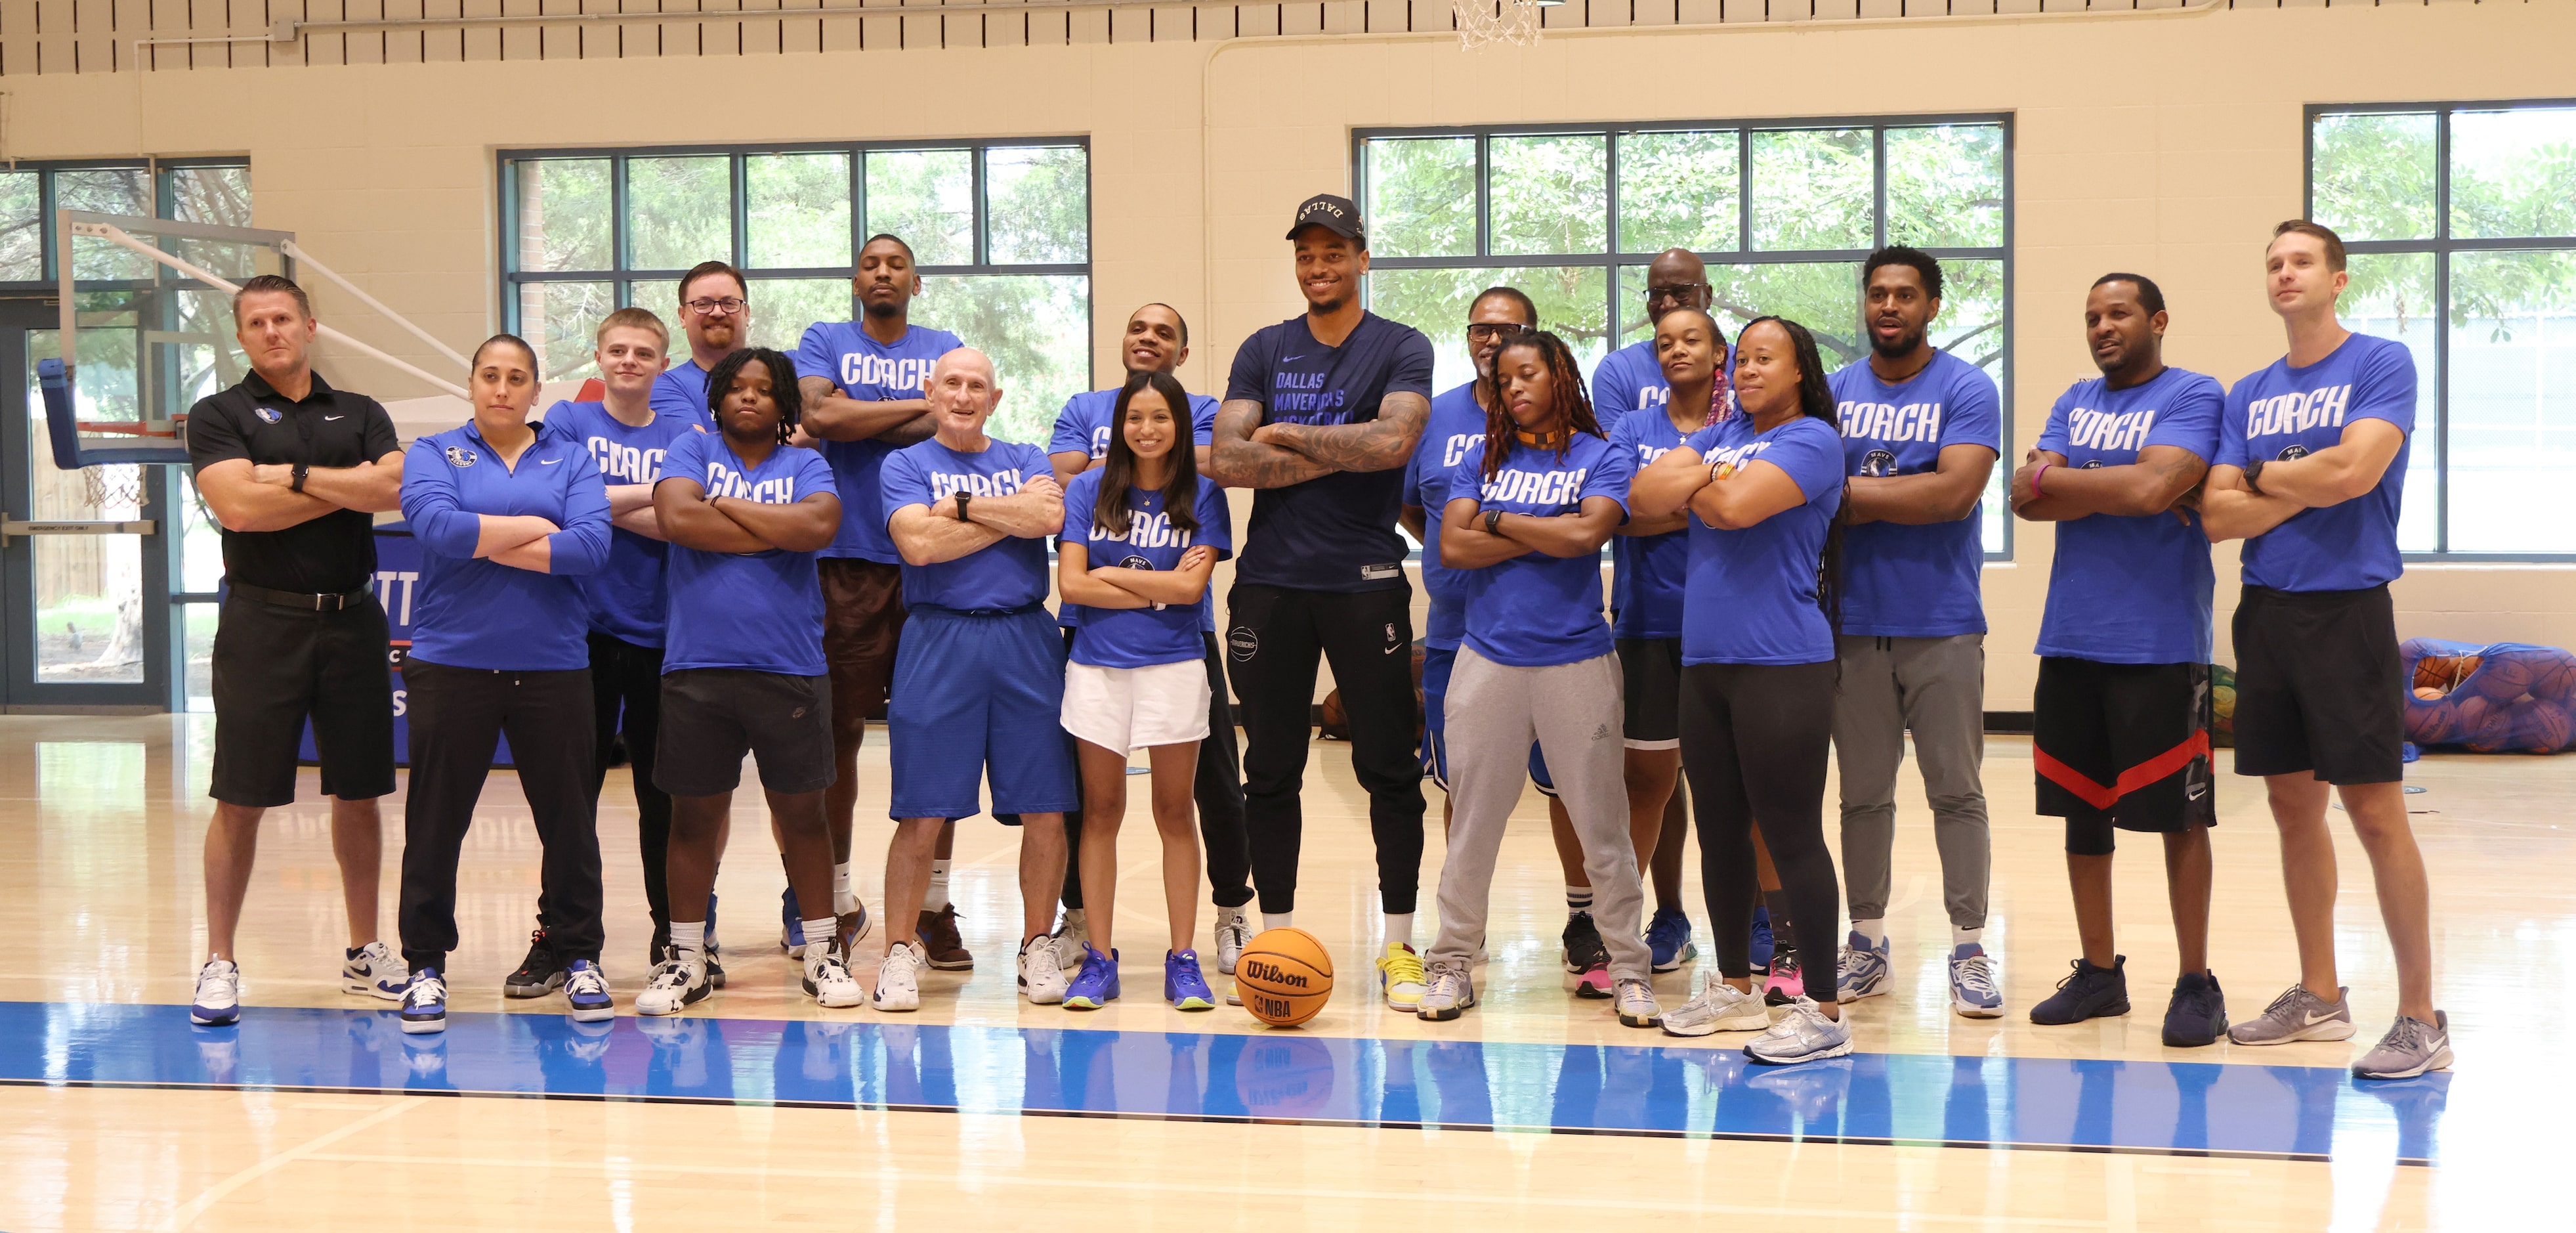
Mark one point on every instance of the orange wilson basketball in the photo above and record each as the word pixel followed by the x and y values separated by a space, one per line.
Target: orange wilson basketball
pixel 1284 976
pixel 2493 731
pixel 2503 678
pixel 2557 682
pixel 2546 727
pixel 2431 721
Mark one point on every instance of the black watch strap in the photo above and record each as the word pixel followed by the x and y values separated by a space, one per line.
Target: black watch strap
pixel 301 470
pixel 1493 522
pixel 962 499
pixel 2254 477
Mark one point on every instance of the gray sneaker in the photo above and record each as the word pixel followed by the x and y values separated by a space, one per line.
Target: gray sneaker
pixel 2410 1048
pixel 1636 1002
pixel 2297 1015
pixel 1802 1035
pixel 1451 993
pixel 1719 1008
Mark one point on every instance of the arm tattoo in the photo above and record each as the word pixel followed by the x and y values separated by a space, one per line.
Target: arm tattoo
pixel 1381 444
pixel 1237 461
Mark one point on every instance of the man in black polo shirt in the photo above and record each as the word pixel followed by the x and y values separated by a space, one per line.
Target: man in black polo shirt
pixel 1321 414
pixel 292 469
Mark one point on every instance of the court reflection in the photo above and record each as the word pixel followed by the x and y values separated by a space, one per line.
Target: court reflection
pixel 1677 1090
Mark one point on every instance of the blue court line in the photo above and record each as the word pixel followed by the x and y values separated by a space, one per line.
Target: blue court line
pixel 1669 1089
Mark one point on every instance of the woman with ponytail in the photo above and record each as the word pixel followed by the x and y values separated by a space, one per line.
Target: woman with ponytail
pixel 1529 507
pixel 1764 490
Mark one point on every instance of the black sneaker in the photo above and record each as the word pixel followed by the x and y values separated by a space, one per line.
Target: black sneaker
pixel 715 967
pixel 2087 993
pixel 1587 957
pixel 2198 1015
pixel 539 974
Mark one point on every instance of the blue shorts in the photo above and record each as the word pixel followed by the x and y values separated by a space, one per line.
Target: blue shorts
pixel 1437 663
pixel 979 696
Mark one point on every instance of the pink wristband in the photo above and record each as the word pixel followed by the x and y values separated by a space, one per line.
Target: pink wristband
pixel 2038 475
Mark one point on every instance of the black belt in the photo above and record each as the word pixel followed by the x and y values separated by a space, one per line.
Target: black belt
pixel 306 602
pixel 942 610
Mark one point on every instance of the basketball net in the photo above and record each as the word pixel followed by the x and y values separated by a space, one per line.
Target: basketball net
pixel 115 490
pixel 1482 23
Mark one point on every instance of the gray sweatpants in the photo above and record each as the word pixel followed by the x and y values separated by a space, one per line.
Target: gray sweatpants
pixel 1937 688
pixel 1575 714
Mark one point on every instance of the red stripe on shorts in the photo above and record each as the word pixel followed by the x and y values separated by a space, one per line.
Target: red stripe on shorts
pixel 2132 779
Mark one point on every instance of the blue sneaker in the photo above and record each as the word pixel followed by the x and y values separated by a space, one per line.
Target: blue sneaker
pixel 791 926
pixel 1864 969
pixel 586 987
pixel 1184 986
pixel 1762 944
pixel 1096 985
pixel 424 1004
pixel 1972 983
pixel 1668 937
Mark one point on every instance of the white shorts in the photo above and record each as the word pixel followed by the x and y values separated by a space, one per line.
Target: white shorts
pixel 1136 708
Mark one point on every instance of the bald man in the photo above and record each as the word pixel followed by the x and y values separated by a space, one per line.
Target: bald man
pixel 979 671
pixel 1630 378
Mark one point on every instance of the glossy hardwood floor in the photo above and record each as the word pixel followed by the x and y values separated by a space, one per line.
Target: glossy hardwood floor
pixel 100 887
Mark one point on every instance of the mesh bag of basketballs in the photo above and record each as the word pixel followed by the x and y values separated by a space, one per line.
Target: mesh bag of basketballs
pixel 2490 699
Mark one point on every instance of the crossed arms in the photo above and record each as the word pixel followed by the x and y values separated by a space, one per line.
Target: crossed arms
pixel 931 534
pixel 732 524
pixel 1246 453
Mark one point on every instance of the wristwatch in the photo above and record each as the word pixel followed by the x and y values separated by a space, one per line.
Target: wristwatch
pixel 1493 522
pixel 2254 477
pixel 962 499
pixel 301 469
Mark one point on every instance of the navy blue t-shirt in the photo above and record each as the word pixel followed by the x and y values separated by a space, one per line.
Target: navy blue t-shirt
pixel 1915 581
pixel 474 612
pixel 1142 637
pixel 761 611
pixel 2130 590
pixel 2282 412
pixel 1646 589
pixel 1334 532
pixel 1752 593
pixel 868 371
pixel 1535 610
pixel 1010 574
pixel 1456 421
pixel 628 597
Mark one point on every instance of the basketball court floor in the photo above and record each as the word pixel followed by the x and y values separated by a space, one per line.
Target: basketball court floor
pixel 759 1110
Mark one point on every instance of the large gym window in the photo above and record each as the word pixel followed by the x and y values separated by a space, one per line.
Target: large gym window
pixel 2460 225
pixel 1784 212
pixel 1002 231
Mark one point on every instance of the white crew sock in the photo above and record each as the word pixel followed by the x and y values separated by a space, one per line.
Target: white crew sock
pixel 1577 899
pixel 1399 929
pixel 843 902
pixel 819 936
pixel 1874 930
pixel 1275 920
pixel 936 897
pixel 689 943
pixel 1960 936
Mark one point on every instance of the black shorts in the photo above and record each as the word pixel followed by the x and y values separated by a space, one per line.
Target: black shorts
pixel 276 666
pixel 2123 745
pixel 1650 671
pixel 711 717
pixel 2319 686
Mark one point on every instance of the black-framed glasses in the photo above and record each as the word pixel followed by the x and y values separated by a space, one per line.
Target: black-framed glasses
pixel 1682 291
pixel 1502 331
pixel 717 308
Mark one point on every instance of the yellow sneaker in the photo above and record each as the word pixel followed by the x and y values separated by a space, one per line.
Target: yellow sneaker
pixel 1399 976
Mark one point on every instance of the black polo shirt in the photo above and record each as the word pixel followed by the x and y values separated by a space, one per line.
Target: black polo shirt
pixel 332 554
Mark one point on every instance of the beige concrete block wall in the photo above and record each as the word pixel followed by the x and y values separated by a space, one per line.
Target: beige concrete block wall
pixel 2162 143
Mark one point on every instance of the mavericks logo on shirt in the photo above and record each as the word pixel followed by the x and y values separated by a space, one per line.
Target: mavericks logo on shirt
pixel 459 456
pixel 1300 397
pixel 2105 431
pixel 724 481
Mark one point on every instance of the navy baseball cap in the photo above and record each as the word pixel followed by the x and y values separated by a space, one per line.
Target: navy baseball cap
pixel 1335 214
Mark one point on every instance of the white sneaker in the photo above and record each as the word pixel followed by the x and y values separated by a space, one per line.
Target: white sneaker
pixel 1802 1035
pixel 899 978
pixel 1070 936
pixel 828 979
pixel 424 1003
pixel 1450 993
pixel 1233 934
pixel 376 972
pixel 1042 971
pixel 1719 1008
pixel 1636 1002
pixel 218 999
pixel 674 985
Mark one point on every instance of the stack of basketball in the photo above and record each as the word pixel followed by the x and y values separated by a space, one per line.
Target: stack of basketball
pixel 2493 698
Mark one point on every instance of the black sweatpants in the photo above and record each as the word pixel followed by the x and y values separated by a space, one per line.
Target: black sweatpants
pixel 1219 789
pixel 626 694
pixel 1276 638
pixel 1754 742
pixel 457 717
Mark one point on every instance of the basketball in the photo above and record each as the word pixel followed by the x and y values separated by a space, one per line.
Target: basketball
pixel 2546 727
pixel 1285 977
pixel 2431 722
pixel 2426 693
pixel 2493 731
pixel 1332 722
pixel 2503 678
pixel 2557 681
pixel 2466 712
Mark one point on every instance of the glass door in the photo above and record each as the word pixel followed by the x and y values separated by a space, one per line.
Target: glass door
pixel 84 570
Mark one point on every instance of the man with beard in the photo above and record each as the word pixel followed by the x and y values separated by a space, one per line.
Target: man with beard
pixel 715 316
pixel 1921 432
pixel 863 386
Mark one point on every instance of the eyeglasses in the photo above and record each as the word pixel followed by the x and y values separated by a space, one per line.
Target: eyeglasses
pixel 1683 291
pixel 717 308
pixel 1504 331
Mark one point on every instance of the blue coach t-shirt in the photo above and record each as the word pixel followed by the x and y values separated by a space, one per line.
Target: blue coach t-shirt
pixel 2283 412
pixel 1629 379
pixel 1083 426
pixel 626 598
pixel 1141 637
pixel 761 611
pixel 1535 611
pixel 1752 593
pixel 1334 532
pixel 1456 421
pixel 2124 590
pixel 474 612
pixel 868 371
pixel 681 390
pixel 1010 574
pixel 1649 571
pixel 1914 581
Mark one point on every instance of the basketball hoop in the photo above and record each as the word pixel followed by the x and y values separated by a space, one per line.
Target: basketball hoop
pixel 1482 23
pixel 115 489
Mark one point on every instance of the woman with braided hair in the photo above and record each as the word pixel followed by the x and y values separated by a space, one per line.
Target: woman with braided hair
pixel 1529 507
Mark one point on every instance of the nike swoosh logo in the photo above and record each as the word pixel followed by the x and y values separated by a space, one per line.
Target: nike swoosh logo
pixel 550 461
pixel 2315 1019
pixel 328 418
pixel 1290 359
pixel 1391 650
